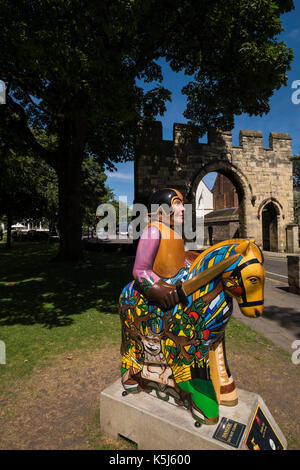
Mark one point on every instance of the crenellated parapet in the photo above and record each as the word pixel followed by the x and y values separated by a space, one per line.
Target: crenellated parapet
pixel 249 139
pixel 280 142
pixel 183 135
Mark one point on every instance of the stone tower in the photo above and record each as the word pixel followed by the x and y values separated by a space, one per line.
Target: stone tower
pixel 263 177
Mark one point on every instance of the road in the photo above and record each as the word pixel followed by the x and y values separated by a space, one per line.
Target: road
pixel 276 268
pixel 280 321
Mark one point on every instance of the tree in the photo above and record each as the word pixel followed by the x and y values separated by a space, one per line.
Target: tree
pixel 22 188
pixel 296 173
pixel 94 191
pixel 29 189
pixel 71 67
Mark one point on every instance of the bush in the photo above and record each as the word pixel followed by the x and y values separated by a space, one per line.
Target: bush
pixel 30 236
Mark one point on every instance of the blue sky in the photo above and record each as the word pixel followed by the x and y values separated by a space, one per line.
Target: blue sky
pixel 284 115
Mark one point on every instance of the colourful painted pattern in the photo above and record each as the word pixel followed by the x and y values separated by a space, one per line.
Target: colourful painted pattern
pixel 170 350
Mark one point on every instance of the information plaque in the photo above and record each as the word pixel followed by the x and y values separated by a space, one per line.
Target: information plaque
pixel 261 435
pixel 230 432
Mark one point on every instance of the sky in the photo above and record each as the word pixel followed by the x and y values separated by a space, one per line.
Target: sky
pixel 284 115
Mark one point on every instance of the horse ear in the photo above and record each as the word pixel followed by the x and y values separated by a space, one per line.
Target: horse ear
pixel 243 247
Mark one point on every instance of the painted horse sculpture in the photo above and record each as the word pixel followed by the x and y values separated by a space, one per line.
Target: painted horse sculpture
pixel 180 354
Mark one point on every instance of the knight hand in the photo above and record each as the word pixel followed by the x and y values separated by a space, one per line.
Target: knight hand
pixel 163 295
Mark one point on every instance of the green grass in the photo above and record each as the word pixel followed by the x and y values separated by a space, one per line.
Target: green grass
pixel 51 308
pixel 240 336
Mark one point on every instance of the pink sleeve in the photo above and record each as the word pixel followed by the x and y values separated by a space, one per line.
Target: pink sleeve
pixel 145 256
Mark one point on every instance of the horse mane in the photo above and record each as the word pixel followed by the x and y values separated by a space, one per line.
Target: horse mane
pixel 214 254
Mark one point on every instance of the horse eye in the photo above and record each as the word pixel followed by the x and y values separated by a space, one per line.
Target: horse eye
pixel 253 280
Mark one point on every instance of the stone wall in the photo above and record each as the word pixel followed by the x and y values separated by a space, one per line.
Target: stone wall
pixel 293 263
pixel 260 175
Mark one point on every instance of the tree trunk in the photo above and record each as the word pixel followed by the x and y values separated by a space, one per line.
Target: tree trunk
pixel 69 193
pixel 69 218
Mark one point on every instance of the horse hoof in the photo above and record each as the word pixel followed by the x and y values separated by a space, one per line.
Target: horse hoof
pixel 162 396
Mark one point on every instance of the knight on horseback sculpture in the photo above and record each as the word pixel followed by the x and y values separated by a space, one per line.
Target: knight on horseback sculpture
pixel 175 312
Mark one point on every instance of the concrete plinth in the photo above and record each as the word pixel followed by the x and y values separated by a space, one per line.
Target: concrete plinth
pixel 156 425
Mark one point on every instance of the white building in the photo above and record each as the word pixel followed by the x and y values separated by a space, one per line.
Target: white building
pixel 204 200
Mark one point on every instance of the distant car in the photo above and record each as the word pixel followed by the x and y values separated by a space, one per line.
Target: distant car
pixel 101 234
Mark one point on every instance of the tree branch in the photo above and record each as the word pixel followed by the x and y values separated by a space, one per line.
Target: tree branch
pixel 22 124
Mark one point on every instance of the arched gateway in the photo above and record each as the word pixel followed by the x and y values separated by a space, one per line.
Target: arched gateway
pixel 263 177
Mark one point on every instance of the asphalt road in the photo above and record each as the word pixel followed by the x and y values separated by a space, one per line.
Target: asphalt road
pixel 280 321
pixel 276 268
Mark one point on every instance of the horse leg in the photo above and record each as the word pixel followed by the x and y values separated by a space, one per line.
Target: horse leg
pixel 224 385
pixel 130 369
pixel 198 389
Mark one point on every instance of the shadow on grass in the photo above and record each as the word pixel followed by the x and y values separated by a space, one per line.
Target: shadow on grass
pixel 34 290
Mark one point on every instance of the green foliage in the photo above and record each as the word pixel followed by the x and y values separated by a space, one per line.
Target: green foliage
pixel 237 61
pixel 296 174
pixel 297 206
pixel 71 67
pixel 24 185
pixel 296 181
pixel 29 187
pixel 76 60
pixel 93 188
pixel 30 236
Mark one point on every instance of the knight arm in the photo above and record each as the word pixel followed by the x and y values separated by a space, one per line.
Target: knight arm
pixel 154 288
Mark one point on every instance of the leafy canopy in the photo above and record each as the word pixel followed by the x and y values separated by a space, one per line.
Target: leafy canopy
pixel 71 70
pixel 72 65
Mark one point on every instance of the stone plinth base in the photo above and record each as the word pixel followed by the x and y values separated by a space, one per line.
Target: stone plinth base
pixel 156 425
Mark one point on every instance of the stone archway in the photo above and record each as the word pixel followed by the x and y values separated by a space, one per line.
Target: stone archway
pixel 270 227
pixel 270 215
pixel 257 172
pixel 237 178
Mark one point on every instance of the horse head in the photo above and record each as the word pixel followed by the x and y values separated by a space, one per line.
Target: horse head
pixel 246 281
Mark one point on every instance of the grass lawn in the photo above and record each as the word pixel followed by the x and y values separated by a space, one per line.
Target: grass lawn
pixel 51 309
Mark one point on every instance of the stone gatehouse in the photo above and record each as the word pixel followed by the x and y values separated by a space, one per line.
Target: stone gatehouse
pixel 262 177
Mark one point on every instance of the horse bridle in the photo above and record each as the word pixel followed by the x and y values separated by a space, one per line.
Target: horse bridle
pixel 237 273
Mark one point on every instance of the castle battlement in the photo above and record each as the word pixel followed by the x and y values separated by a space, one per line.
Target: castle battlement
pixel 152 134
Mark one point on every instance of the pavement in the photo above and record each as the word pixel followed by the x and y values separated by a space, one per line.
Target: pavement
pixel 273 254
pixel 280 321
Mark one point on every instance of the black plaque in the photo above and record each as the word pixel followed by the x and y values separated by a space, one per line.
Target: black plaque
pixel 261 435
pixel 230 432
